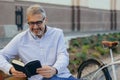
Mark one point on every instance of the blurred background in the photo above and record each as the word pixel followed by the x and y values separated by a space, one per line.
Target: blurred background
pixel 69 15
pixel 73 16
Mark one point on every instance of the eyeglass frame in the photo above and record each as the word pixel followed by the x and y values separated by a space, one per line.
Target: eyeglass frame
pixel 38 23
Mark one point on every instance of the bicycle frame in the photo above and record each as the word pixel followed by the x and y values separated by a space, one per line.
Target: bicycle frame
pixel 112 64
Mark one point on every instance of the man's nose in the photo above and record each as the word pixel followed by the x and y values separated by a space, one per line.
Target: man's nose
pixel 35 26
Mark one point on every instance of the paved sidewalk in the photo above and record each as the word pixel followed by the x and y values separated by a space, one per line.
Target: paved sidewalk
pixel 4 41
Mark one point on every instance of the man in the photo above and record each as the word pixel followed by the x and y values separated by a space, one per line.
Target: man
pixel 39 42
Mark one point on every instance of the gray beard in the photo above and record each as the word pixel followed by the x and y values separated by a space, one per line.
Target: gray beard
pixel 40 34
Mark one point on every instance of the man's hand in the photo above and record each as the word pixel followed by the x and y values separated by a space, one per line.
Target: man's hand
pixel 46 71
pixel 16 73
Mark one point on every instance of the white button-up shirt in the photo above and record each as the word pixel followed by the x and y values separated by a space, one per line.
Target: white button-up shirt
pixel 50 50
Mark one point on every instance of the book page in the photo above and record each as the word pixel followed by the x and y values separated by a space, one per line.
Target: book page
pixel 18 62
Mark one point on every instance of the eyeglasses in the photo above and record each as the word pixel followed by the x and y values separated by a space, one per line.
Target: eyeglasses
pixel 38 23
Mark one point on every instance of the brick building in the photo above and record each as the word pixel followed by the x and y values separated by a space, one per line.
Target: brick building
pixel 68 18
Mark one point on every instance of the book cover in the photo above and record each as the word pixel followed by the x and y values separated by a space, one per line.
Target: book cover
pixel 29 69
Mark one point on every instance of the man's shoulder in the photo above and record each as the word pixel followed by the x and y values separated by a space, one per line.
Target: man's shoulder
pixel 22 34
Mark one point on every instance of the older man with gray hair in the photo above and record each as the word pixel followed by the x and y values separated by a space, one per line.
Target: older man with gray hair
pixel 39 42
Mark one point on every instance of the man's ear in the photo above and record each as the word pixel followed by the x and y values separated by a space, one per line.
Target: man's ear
pixel 46 20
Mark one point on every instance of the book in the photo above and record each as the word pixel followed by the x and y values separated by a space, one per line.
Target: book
pixel 29 69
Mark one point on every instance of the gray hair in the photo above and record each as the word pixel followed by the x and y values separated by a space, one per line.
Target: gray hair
pixel 35 9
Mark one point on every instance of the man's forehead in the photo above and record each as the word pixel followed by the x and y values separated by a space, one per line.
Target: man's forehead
pixel 35 17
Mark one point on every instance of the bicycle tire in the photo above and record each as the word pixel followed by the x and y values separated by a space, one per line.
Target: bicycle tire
pixel 88 64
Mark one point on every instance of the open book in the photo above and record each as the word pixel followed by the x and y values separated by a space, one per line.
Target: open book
pixel 29 69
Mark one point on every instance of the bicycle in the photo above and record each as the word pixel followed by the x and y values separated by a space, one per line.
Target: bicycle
pixel 90 68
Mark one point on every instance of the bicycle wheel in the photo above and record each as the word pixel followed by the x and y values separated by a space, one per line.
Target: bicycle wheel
pixel 87 69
